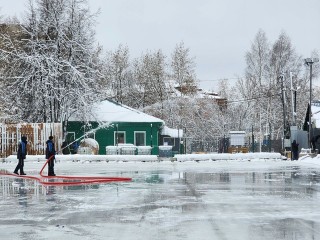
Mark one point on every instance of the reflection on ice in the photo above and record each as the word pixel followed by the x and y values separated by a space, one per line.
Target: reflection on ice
pixel 168 202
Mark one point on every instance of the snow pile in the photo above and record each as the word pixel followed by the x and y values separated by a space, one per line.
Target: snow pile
pixel 87 157
pixel 90 142
pixel 151 158
pixel 88 146
pixel 309 159
pixel 227 156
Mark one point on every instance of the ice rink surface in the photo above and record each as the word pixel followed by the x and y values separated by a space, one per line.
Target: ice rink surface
pixel 224 200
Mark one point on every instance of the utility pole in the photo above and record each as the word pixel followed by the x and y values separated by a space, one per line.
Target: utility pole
pixel 260 144
pixel 252 140
pixel 269 137
pixel 281 78
pixel 293 107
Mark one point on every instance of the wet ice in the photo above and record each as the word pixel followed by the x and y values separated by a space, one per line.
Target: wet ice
pixel 166 200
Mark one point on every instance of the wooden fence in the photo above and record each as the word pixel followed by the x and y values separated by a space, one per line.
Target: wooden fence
pixel 37 134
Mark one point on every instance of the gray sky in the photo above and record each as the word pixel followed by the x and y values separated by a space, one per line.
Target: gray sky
pixel 217 32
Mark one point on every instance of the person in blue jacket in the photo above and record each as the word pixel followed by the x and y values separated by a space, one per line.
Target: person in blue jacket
pixel 21 155
pixel 50 153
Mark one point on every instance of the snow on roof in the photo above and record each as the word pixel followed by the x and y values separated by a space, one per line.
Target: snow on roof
pixel 175 133
pixel 173 87
pixel 109 111
pixel 237 132
pixel 207 94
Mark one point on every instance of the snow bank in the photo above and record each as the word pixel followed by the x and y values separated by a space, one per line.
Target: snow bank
pixel 89 142
pixel 309 159
pixel 227 156
pixel 150 158
pixel 86 157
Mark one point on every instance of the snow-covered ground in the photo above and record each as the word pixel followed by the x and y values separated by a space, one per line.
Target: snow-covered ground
pixel 241 198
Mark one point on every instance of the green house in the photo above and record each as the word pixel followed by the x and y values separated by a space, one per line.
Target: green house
pixel 112 124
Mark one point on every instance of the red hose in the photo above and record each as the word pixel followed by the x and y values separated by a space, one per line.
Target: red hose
pixel 68 180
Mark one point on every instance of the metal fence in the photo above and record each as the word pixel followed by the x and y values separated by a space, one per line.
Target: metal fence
pixel 222 145
pixel 202 146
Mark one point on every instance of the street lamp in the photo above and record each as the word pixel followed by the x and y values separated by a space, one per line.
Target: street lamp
pixel 309 62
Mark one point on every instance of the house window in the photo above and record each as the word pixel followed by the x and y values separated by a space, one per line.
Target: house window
pixel 140 138
pixel 71 136
pixel 168 141
pixel 119 137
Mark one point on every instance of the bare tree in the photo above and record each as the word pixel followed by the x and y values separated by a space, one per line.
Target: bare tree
pixel 117 73
pixel 150 73
pixel 267 82
pixel 183 69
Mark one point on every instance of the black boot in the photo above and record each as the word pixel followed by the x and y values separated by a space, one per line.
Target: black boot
pixel 51 170
pixel 22 172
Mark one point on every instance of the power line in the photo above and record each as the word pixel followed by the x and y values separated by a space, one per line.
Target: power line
pixel 254 98
pixel 251 99
pixel 218 79
pixel 226 78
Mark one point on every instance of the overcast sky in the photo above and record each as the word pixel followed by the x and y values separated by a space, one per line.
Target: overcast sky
pixel 217 32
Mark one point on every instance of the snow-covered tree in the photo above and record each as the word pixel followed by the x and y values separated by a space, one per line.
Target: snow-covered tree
pixel 267 82
pixel 257 60
pixel 183 69
pixel 256 88
pixel 117 73
pixel 51 62
pixel 283 61
pixel 150 74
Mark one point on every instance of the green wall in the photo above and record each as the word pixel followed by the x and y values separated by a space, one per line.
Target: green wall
pixel 104 134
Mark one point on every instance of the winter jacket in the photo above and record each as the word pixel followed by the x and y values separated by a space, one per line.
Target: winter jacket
pixel 22 149
pixel 295 146
pixel 50 149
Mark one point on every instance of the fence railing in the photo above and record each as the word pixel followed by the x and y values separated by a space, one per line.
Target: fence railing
pixel 37 134
pixel 223 146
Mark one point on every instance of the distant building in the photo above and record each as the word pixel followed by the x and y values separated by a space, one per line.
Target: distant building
pixel 176 90
pixel 238 142
pixel 315 126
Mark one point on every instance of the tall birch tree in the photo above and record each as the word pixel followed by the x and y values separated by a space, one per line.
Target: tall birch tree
pixel 183 69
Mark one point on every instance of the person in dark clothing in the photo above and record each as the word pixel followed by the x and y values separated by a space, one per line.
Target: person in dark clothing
pixel 21 155
pixel 50 153
pixel 295 150
pixel 75 147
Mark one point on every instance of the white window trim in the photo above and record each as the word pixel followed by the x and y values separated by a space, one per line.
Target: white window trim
pixel 145 137
pixel 117 132
pixel 174 142
pixel 72 133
